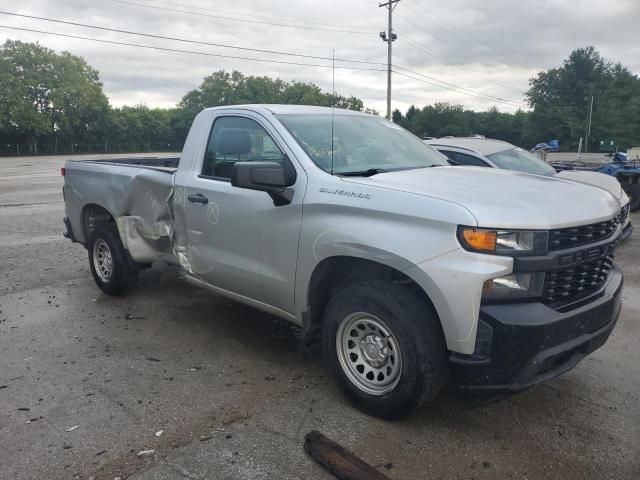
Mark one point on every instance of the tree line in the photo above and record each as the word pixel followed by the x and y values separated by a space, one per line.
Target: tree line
pixel 560 101
pixel 54 103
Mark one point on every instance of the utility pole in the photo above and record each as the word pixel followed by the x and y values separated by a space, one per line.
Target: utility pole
pixel 389 37
pixel 579 149
pixel 586 141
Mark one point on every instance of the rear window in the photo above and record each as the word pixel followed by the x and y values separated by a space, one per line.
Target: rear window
pixel 520 160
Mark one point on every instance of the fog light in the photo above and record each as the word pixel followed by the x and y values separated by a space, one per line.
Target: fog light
pixel 514 286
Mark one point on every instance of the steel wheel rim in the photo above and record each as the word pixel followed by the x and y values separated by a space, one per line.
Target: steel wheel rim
pixel 102 260
pixel 369 353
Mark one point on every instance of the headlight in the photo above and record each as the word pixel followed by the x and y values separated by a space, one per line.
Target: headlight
pixel 503 242
pixel 513 287
pixel 624 214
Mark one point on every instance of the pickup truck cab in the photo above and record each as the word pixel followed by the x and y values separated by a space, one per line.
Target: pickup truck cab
pixel 411 273
pixel 486 152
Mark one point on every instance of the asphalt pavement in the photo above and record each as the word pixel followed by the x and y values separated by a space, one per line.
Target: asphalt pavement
pixel 171 382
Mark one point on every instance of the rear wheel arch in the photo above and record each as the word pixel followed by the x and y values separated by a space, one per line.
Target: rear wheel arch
pixel 93 215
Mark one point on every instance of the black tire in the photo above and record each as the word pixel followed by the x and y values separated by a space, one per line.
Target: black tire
pixel 124 274
pixel 418 333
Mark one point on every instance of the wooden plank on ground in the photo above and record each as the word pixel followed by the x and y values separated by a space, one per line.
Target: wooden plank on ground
pixel 337 460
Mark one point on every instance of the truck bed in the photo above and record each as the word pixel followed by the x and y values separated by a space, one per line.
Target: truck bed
pixel 165 164
pixel 135 192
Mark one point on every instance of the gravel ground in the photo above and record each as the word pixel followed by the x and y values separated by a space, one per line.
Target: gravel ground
pixel 233 390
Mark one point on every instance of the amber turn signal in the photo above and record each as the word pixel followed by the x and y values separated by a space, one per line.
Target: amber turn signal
pixel 480 240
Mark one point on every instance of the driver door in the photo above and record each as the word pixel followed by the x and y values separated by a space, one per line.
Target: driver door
pixel 237 239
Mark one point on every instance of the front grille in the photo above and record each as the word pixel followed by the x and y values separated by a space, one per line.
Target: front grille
pixel 577 282
pixel 562 238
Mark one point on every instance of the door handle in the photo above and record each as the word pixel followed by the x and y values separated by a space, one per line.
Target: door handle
pixel 198 198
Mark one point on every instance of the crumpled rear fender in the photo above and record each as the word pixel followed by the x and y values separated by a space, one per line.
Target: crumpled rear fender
pixel 138 199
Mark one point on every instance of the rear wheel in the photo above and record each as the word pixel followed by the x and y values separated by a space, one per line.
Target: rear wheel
pixel 112 270
pixel 386 348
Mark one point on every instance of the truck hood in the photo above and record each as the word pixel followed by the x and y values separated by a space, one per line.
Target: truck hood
pixel 504 199
pixel 607 182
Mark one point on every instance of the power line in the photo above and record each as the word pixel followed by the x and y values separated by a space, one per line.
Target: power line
pixel 198 42
pixel 491 99
pixel 472 92
pixel 418 10
pixel 467 41
pixel 457 65
pixel 175 50
pixel 221 17
pixel 431 34
pixel 429 52
pixel 443 87
pixel 443 42
pixel 183 5
pixel 554 107
pixel 456 89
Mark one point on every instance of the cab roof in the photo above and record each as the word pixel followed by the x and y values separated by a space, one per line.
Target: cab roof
pixel 292 109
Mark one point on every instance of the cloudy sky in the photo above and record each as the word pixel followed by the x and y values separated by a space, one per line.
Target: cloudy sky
pixel 484 52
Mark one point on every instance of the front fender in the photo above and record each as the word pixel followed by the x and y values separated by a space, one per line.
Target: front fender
pixel 377 242
pixel 453 282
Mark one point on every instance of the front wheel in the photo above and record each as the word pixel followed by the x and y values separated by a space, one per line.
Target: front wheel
pixel 111 267
pixel 386 348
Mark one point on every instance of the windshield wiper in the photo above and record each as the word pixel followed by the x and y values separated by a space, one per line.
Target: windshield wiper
pixel 374 171
pixel 363 173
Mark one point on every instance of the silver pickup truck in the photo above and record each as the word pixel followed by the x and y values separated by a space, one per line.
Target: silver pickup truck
pixel 412 273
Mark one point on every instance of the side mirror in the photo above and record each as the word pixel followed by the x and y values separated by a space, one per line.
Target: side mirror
pixel 269 177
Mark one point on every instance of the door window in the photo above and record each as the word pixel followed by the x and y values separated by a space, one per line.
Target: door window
pixel 237 139
pixel 451 156
pixel 464 159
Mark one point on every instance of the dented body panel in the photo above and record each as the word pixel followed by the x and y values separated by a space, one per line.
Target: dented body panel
pixel 137 197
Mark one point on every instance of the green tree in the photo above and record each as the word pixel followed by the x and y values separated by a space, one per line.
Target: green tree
pixel 561 98
pixel 79 107
pixel 25 93
pixel 443 119
pixel 233 88
pixel 47 94
pixel 560 101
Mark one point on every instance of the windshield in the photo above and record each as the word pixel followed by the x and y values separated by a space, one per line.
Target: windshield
pixel 521 161
pixel 360 143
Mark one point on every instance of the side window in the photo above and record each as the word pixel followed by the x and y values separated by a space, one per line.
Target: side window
pixel 237 139
pixel 464 159
pixel 451 156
